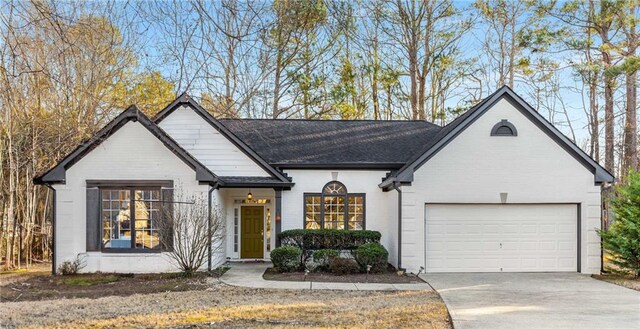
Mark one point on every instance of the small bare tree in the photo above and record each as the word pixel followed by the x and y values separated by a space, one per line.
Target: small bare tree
pixel 191 230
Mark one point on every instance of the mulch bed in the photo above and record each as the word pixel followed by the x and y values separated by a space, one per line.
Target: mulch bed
pixel 386 277
pixel 43 286
pixel 621 280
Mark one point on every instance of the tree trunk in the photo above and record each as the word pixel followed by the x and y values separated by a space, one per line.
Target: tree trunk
pixel 422 98
pixel 631 119
pixel 608 124
pixel 595 120
pixel 631 126
pixel 276 86
pixel 413 74
pixel 389 115
pixel 374 79
pixel 608 97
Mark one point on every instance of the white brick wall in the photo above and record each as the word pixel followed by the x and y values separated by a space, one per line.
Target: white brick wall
pixel 473 168
pixel 132 153
pixel 381 207
pixel 476 168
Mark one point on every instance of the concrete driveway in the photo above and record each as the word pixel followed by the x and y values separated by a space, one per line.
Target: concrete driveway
pixel 535 300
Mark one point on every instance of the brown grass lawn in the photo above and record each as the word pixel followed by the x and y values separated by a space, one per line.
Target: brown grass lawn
pixel 37 285
pixel 222 306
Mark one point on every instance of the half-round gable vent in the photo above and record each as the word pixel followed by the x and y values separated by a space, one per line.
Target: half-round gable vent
pixel 504 128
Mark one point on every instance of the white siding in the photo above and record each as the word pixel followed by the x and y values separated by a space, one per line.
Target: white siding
pixel 381 209
pixel 207 145
pixel 476 168
pixel 131 153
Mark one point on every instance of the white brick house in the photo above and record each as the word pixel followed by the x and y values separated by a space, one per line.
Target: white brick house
pixel 498 189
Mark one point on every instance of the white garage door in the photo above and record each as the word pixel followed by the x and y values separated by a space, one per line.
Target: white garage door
pixel 501 238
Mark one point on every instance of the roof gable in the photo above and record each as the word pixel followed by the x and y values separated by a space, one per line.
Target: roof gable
pixel 405 174
pixel 57 174
pixel 185 100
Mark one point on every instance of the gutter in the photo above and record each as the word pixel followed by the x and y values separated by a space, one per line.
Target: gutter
pixel 396 186
pixel 53 230
pixel 388 182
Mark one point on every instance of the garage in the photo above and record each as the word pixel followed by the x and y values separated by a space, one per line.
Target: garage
pixel 501 237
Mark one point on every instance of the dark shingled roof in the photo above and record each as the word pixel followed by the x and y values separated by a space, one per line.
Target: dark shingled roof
pixel 291 143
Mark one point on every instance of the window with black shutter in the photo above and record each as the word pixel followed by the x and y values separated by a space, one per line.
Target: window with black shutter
pixel 127 217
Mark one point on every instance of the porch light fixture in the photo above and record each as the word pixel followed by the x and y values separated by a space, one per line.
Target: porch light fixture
pixel 249 196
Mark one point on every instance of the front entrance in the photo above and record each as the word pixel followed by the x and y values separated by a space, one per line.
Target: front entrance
pixel 252 226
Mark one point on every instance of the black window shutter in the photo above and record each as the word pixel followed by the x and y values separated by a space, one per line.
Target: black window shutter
pixel 166 234
pixel 93 219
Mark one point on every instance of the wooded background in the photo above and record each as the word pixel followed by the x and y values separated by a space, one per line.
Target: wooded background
pixel 66 68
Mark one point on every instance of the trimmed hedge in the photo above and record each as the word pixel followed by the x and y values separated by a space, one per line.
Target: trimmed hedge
pixel 342 266
pixel 286 259
pixel 373 254
pixel 328 239
pixel 322 257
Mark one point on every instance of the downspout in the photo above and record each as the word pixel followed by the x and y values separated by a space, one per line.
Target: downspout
pixel 53 231
pixel 396 186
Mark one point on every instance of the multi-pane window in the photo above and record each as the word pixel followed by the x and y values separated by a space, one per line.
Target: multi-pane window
pixel 116 219
pixel 334 208
pixel 356 212
pixel 312 212
pixel 130 218
pixel 235 229
pixel 268 230
pixel 147 206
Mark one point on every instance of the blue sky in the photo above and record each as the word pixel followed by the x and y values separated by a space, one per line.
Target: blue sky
pixel 154 44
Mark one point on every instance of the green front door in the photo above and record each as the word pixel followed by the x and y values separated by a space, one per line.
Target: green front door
pixel 252 226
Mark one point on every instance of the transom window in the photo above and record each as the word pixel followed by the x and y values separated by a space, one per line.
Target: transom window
pixel 130 218
pixel 334 208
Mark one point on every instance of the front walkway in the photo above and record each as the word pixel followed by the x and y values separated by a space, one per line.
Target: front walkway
pixel 250 275
pixel 535 300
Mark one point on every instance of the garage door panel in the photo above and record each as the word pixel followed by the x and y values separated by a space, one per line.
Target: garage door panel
pixel 507 238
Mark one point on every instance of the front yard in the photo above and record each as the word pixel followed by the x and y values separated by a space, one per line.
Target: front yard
pixel 204 302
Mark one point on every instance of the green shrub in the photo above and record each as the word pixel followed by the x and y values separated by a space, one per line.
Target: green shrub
pixel 321 258
pixel 373 254
pixel 622 239
pixel 286 259
pixel 328 239
pixel 342 266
